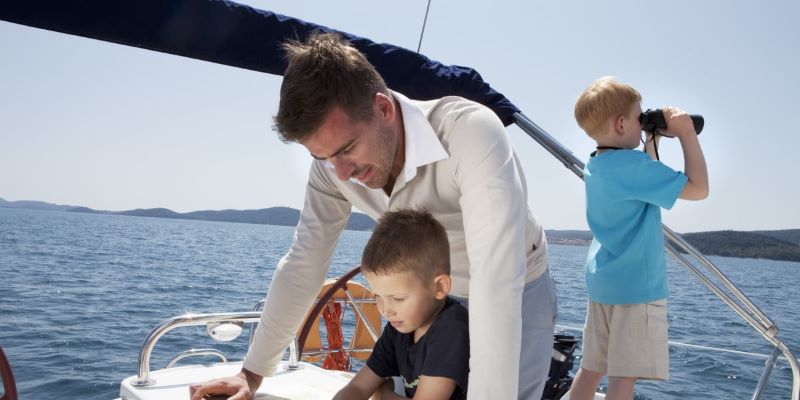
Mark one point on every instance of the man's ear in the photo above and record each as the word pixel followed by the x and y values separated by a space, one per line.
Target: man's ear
pixel 385 105
pixel 442 284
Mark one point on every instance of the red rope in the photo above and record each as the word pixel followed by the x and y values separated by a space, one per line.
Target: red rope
pixel 337 358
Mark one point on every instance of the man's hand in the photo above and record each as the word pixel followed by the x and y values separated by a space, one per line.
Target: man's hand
pixel 241 386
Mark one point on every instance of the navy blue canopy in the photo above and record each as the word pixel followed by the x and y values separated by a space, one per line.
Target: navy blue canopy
pixel 228 33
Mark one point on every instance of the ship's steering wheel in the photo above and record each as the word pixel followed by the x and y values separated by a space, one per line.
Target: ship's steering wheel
pixel 9 386
pixel 317 309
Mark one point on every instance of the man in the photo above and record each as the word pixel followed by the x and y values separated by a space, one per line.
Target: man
pixel 377 150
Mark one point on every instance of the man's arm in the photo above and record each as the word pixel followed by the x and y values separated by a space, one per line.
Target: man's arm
pixel 493 202
pixel 295 283
pixel 300 273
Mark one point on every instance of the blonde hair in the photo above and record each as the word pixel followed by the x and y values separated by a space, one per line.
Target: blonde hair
pixel 603 100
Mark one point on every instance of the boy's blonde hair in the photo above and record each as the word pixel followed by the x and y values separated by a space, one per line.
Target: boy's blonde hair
pixel 408 241
pixel 605 99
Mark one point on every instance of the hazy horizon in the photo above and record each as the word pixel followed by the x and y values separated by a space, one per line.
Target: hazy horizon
pixel 354 210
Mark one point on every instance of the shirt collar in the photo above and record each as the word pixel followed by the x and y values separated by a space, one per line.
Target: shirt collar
pixel 422 145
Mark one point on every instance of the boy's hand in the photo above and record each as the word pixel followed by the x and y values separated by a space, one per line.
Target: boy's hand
pixel 679 124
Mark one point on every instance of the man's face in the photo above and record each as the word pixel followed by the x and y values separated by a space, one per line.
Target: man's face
pixel 361 150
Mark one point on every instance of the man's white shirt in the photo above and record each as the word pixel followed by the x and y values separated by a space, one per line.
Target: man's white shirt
pixel 460 166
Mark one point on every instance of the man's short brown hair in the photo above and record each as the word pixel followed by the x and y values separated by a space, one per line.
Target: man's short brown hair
pixel 407 241
pixel 324 71
pixel 604 99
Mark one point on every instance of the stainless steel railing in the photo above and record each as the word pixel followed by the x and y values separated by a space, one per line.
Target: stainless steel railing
pixel 195 353
pixel 771 359
pixel 251 317
pixel 733 297
pixel 181 321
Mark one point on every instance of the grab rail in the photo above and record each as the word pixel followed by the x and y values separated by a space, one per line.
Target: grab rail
pixel 252 317
pixel 739 302
pixel 195 353
pixel 180 321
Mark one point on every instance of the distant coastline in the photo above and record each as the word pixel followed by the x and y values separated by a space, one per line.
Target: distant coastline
pixel 282 216
pixel 768 244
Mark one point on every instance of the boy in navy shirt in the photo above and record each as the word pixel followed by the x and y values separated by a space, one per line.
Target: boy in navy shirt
pixel 625 336
pixel 426 339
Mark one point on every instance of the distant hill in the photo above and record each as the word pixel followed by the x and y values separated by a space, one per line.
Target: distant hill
pixel 574 238
pixel 746 244
pixel 147 212
pixel 787 235
pixel 282 216
pixel 87 210
pixel 775 245
pixel 33 205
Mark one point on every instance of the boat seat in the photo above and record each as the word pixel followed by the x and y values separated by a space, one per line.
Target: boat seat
pixel 360 343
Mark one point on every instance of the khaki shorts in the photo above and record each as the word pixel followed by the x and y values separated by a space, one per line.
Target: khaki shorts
pixel 627 340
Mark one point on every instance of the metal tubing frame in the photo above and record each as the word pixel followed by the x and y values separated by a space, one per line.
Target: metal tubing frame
pixel 180 321
pixel 355 304
pixel 741 304
pixel 259 305
pixel 195 353
pixel 762 382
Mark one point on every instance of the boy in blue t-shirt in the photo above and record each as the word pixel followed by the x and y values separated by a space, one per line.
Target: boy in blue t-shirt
pixel 425 342
pixel 625 336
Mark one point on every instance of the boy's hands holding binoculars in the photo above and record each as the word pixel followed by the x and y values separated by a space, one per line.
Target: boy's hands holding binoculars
pixel 679 124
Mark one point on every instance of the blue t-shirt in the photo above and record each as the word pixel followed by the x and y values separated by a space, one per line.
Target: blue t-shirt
pixel 624 192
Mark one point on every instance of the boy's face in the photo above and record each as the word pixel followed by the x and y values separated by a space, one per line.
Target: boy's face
pixel 407 303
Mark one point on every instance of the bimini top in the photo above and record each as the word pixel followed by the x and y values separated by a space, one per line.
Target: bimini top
pixel 233 34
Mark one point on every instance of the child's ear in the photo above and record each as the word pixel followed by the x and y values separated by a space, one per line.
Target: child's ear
pixel 442 285
pixel 618 127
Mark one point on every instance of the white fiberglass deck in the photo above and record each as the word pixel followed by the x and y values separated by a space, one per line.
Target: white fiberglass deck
pixel 309 382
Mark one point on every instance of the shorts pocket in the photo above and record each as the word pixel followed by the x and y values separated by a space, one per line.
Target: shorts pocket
pixel 643 321
pixel 657 319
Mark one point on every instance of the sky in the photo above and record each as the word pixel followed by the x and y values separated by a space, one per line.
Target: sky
pixel 111 127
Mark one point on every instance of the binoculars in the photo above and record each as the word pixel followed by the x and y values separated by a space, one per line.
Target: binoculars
pixel 653 120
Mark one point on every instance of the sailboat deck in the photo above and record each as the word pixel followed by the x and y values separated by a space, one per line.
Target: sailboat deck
pixel 308 382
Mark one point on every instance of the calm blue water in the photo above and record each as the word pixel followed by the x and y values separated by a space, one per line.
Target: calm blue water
pixel 80 292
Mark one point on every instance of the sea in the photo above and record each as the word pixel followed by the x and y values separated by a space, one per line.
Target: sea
pixel 79 293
